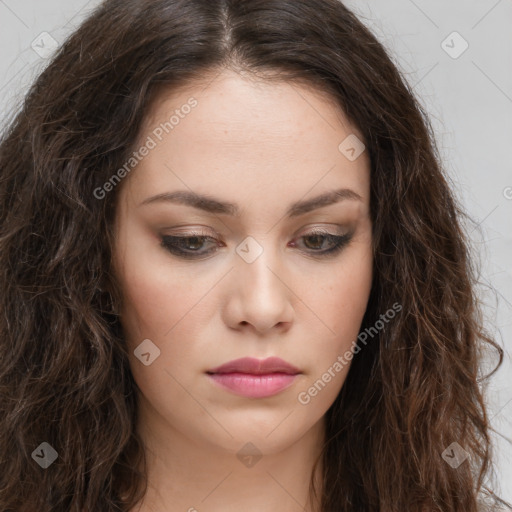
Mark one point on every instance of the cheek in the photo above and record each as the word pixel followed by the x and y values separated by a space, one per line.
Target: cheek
pixel 165 304
pixel 156 295
pixel 161 308
pixel 338 301
pixel 348 301
pixel 343 293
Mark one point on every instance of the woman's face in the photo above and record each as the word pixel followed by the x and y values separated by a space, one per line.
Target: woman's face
pixel 262 283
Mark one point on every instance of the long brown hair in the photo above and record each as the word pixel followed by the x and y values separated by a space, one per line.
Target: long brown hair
pixel 64 374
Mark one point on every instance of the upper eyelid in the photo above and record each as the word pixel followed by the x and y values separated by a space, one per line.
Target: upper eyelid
pixel 202 232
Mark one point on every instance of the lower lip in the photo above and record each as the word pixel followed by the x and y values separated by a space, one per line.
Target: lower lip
pixel 254 386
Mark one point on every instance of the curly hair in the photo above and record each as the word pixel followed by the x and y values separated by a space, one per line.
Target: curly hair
pixel 65 379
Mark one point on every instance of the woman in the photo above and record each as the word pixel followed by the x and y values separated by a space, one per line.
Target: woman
pixel 234 274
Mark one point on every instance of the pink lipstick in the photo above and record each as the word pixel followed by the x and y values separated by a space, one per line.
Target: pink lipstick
pixel 255 378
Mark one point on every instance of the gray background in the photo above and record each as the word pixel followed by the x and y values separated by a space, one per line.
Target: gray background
pixel 467 94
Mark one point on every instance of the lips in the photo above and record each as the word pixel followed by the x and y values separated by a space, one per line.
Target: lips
pixel 254 366
pixel 254 378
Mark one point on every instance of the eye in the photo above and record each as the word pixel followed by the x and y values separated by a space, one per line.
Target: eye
pixel 188 246
pixel 323 244
pixel 318 242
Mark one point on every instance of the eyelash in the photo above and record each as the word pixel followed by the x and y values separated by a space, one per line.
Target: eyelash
pixel 172 243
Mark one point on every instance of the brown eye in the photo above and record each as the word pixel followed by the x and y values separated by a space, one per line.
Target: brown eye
pixel 315 241
pixel 323 243
pixel 187 246
pixel 319 243
pixel 193 242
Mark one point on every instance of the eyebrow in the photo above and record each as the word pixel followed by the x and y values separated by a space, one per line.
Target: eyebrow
pixel 211 205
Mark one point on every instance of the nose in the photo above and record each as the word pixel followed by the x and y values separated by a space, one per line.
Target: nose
pixel 260 298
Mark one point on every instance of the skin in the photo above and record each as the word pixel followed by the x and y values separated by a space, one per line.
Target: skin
pixel 262 145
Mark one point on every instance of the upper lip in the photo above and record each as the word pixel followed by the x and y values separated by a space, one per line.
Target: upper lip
pixel 256 366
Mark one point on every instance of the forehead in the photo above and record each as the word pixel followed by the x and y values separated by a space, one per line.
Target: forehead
pixel 243 104
pixel 246 135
